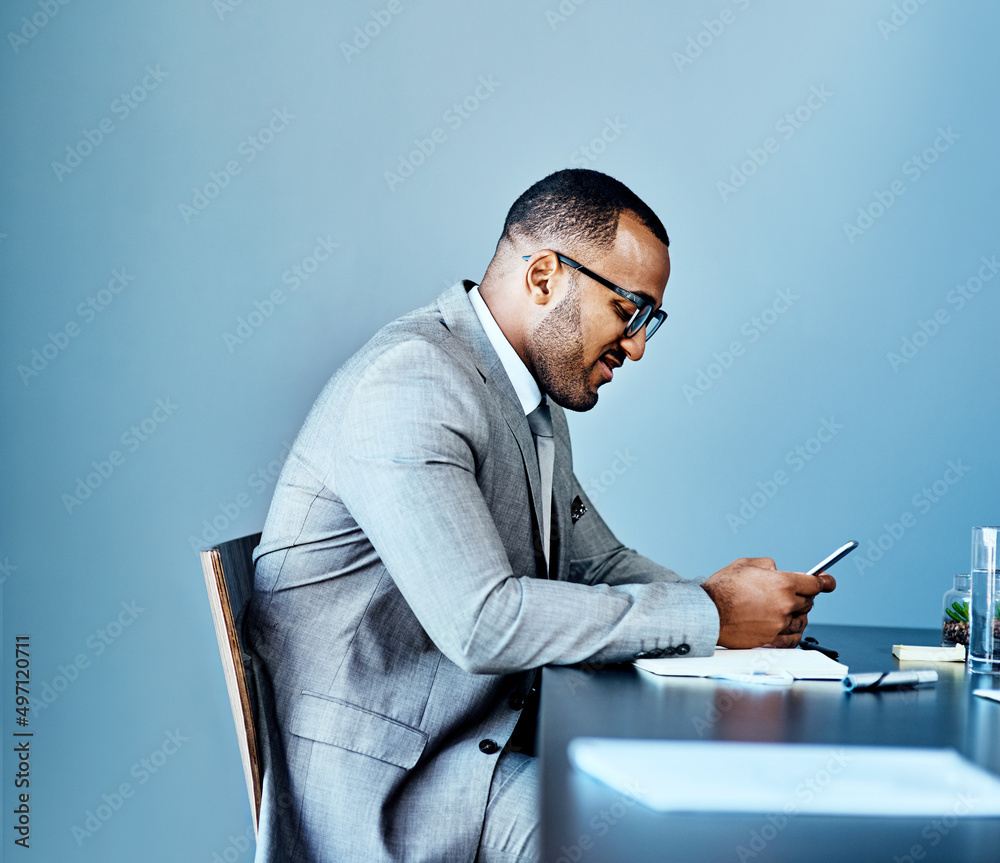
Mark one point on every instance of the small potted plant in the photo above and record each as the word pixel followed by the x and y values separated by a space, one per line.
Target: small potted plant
pixel 955 627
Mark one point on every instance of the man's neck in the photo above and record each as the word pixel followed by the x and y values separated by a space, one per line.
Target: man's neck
pixel 503 310
pixel 525 386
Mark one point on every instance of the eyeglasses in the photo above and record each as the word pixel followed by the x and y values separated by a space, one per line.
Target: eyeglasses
pixel 643 316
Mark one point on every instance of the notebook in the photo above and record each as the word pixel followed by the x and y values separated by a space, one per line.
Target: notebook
pixel 733 664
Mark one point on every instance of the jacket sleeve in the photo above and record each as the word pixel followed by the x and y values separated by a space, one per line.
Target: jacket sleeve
pixel 405 468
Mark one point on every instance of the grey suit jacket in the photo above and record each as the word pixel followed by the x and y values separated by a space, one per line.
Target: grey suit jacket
pixel 402 603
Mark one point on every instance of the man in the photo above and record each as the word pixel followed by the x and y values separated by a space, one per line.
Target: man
pixel 428 549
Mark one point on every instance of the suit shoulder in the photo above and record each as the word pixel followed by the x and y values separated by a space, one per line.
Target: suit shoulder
pixel 417 343
pixel 413 358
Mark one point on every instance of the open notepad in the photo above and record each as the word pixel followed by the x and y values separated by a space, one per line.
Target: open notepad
pixel 799 664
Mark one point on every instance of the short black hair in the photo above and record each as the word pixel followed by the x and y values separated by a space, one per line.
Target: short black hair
pixel 580 207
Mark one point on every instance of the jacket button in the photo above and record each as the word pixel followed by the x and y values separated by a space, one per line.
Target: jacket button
pixel 516 701
pixel 669 651
pixel 643 654
pixel 655 653
pixel 683 649
pixel 488 746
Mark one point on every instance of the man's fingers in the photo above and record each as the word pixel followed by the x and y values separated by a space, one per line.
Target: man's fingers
pixel 791 635
pixel 760 562
pixel 810 585
pixel 796 625
pixel 829 583
pixel 753 596
pixel 803 605
pixel 786 641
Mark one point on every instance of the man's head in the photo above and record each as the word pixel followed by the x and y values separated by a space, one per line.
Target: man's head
pixel 567 327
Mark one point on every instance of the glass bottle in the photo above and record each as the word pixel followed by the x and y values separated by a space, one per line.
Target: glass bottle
pixel 955 612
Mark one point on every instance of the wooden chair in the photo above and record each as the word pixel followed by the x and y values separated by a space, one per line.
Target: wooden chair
pixel 228 571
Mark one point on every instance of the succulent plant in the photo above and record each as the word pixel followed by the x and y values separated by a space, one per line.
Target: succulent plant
pixel 958 611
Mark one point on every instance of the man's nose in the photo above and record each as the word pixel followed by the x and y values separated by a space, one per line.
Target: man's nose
pixel 634 346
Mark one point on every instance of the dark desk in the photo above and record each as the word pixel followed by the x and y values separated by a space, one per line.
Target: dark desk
pixel 584 820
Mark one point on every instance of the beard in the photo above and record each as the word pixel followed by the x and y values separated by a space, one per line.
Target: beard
pixel 555 348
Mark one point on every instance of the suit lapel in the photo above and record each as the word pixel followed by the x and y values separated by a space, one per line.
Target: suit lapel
pixel 462 321
pixel 562 491
pixel 510 407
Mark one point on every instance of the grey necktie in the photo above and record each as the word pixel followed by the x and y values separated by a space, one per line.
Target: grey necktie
pixel 540 421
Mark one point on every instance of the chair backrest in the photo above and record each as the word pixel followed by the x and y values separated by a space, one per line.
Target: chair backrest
pixel 228 571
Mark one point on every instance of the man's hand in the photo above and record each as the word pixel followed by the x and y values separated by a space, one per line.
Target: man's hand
pixel 760 605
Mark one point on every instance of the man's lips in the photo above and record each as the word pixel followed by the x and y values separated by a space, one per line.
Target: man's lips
pixel 608 365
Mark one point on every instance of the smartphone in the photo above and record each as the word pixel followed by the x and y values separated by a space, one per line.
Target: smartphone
pixel 840 553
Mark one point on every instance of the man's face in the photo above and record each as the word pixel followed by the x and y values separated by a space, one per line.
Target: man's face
pixel 581 340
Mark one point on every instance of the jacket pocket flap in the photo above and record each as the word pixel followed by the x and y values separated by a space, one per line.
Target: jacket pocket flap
pixel 331 720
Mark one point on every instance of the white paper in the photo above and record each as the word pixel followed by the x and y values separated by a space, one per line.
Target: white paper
pixel 801 664
pixel 987 693
pixel 716 776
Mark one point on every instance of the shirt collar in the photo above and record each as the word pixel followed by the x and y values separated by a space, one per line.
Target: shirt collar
pixel 521 379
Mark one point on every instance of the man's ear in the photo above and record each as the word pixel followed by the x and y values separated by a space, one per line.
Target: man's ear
pixel 542 277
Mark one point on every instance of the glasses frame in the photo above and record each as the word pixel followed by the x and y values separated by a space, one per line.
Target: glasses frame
pixel 644 316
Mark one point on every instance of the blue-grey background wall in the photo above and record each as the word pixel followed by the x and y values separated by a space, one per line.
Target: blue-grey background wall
pixel 208 206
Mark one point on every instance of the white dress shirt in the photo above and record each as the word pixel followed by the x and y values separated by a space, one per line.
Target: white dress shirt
pixel 524 384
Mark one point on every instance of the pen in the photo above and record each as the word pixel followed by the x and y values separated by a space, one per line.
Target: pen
pixel 888 679
pixel 813 644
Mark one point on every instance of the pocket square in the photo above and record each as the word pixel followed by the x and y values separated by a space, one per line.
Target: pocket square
pixel 578 510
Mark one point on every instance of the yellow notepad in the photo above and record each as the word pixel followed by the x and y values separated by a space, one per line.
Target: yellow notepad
pixel 920 653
